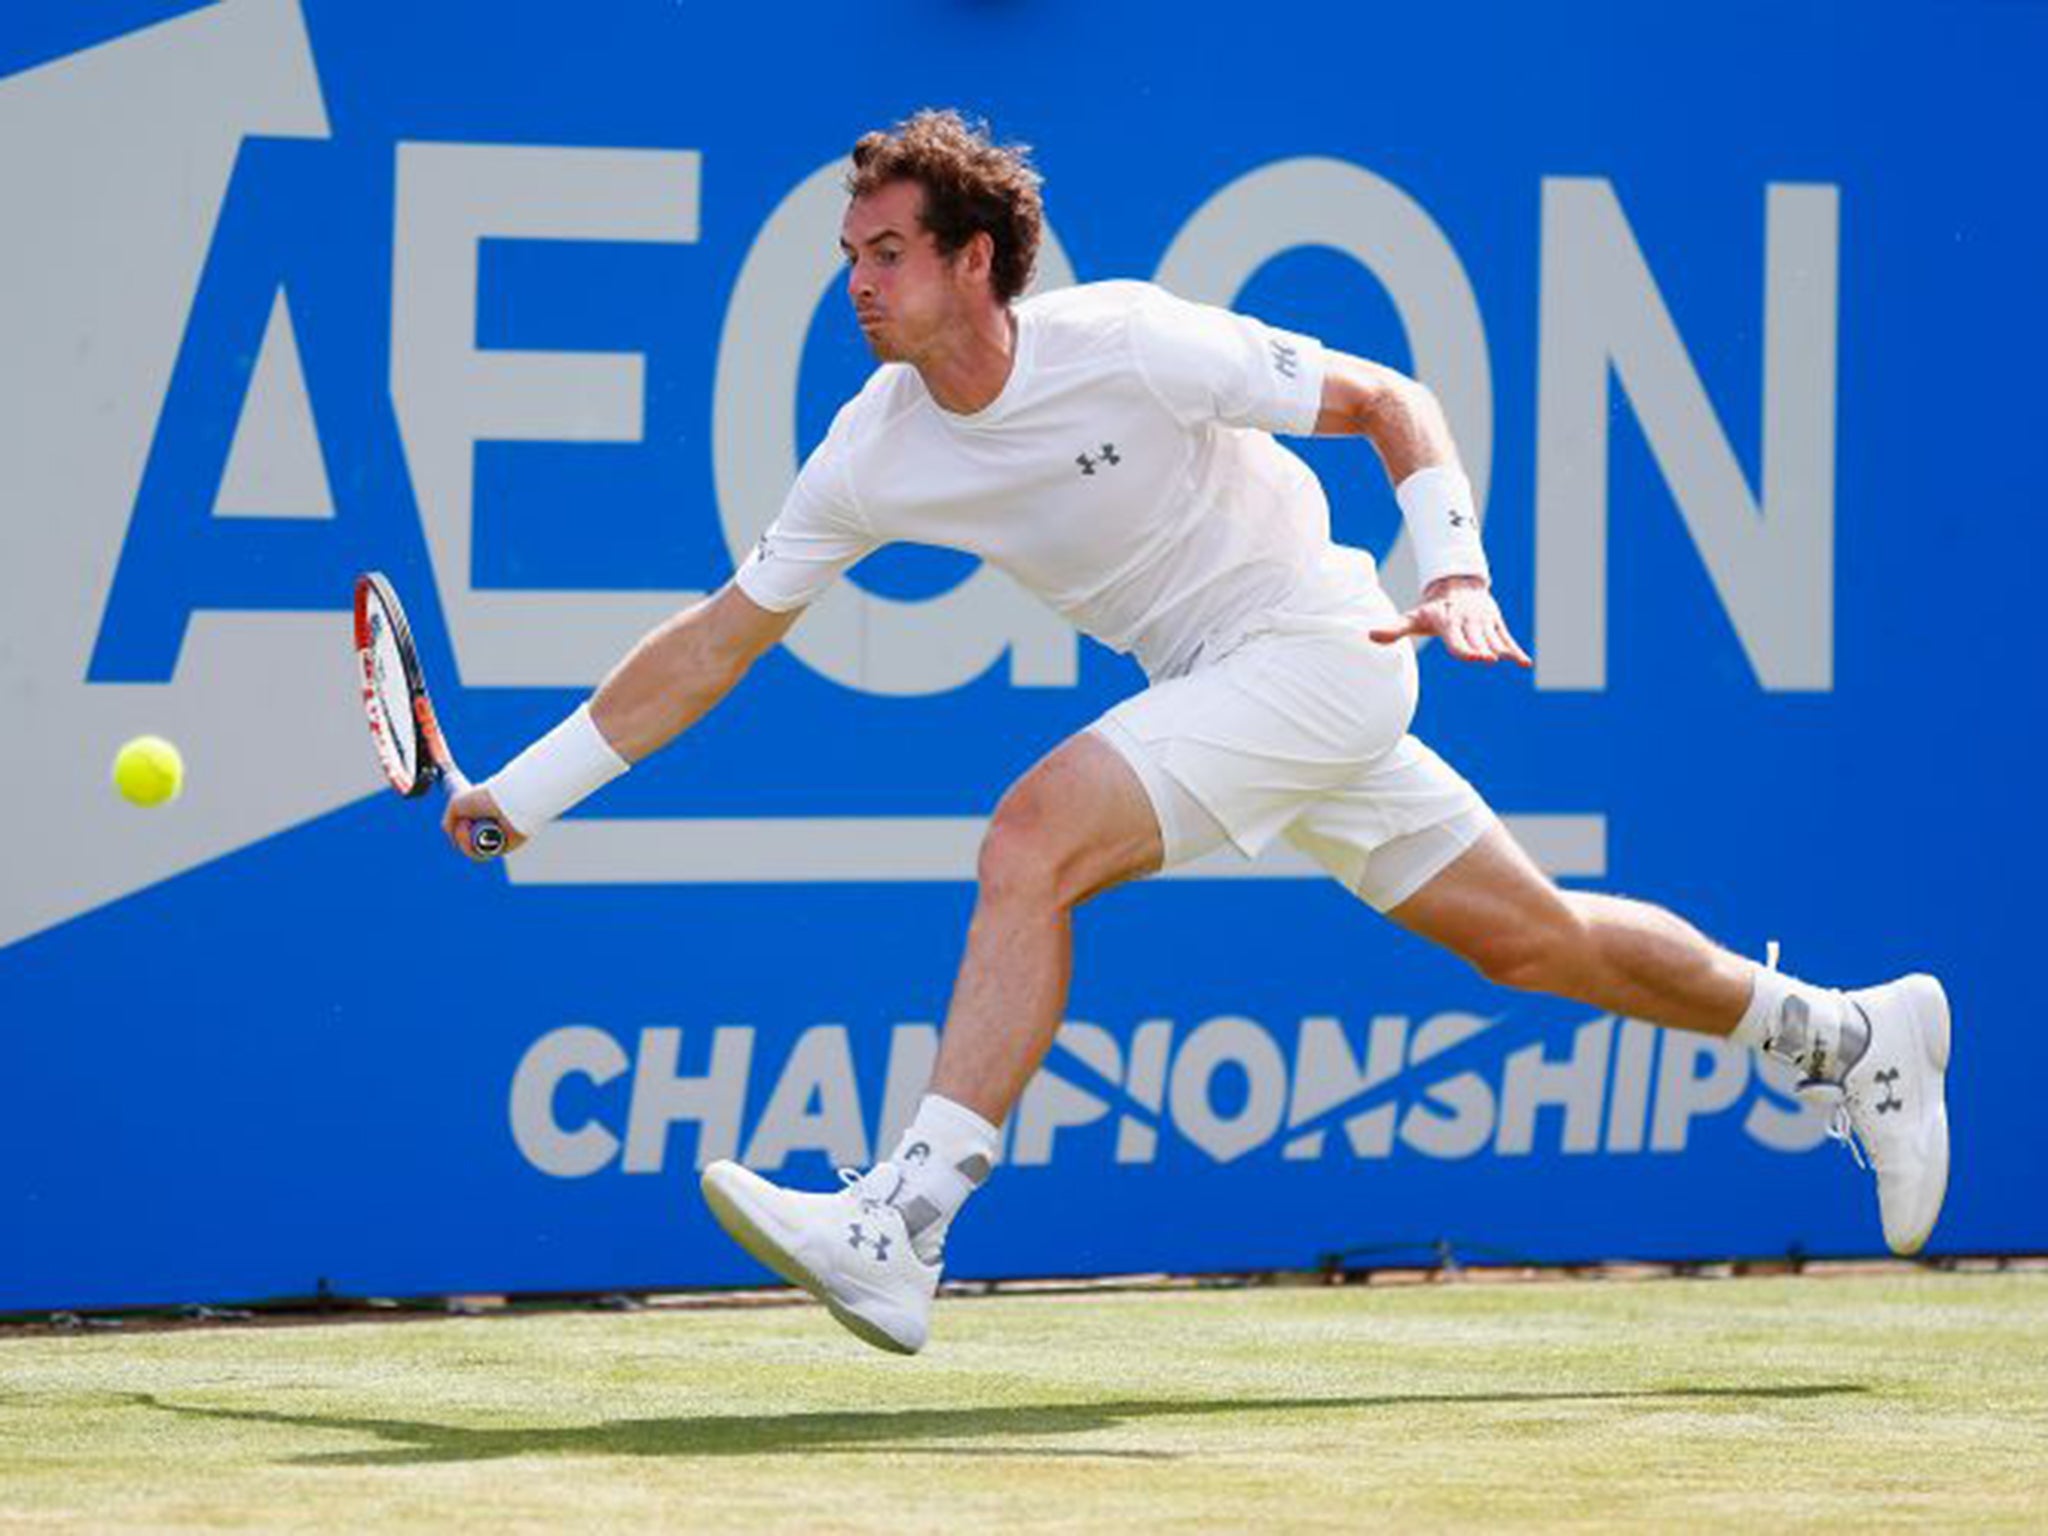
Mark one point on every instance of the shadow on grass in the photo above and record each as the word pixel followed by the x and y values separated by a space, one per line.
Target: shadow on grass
pixel 907 1431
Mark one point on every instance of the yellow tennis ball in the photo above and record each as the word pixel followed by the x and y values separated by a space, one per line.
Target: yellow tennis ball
pixel 149 771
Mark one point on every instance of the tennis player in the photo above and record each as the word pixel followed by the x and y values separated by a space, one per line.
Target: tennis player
pixel 1111 447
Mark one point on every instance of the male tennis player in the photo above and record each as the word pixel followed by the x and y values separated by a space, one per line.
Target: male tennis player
pixel 1111 447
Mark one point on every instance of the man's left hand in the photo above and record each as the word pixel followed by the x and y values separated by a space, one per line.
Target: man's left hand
pixel 1461 612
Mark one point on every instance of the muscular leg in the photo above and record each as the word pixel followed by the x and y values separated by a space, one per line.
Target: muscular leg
pixel 1495 908
pixel 1077 823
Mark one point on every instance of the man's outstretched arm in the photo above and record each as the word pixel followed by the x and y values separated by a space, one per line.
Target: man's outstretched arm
pixel 682 668
pixel 1408 429
pixel 663 686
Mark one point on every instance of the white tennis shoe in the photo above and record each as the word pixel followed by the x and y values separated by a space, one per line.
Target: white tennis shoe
pixel 1894 1102
pixel 851 1249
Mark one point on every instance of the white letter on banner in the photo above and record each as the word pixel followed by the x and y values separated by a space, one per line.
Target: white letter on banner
pixel 819 1070
pixel 856 638
pixel 1326 1075
pixel 1786 1123
pixel 450 394
pixel 540 1137
pixel 1576 1085
pixel 1629 1098
pixel 1137 1141
pixel 1207 1048
pixel 1683 1091
pixel 1320 202
pixel 1051 1104
pixel 660 1098
pixel 1466 1095
pixel 1771 559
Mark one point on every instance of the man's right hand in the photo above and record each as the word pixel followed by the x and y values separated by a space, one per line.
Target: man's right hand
pixel 1461 612
pixel 473 805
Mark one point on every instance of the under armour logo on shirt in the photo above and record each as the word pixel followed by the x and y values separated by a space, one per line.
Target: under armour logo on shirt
pixel 1108 455
pixel 1286 359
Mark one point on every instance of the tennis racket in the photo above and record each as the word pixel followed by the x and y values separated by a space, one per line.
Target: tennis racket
pixel 410 747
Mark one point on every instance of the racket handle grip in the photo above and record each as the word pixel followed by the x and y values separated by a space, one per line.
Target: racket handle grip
pixel 486 836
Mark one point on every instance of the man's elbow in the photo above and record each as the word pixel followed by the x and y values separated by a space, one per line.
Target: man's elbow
pixel 738 631
pixel 1373 401
pixel 1394 405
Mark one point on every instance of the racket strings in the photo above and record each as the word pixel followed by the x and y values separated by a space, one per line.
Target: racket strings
pixel 387 697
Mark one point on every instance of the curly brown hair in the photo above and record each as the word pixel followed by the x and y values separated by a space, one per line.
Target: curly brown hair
pixel 972 185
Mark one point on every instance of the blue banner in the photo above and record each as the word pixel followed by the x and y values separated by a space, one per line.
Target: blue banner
pixel 1733 311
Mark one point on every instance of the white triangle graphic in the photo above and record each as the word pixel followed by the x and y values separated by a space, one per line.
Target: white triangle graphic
pixel 274 466
pixel 107 228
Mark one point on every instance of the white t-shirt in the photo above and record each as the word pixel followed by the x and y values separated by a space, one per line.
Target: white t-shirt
pixel 1126 475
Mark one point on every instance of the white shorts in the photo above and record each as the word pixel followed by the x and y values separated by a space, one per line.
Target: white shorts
pixel 1303 735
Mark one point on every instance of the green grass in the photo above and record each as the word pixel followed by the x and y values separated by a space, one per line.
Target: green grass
pixel 1809 1403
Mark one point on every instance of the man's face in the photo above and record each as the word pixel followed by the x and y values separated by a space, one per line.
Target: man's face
pixel 905 294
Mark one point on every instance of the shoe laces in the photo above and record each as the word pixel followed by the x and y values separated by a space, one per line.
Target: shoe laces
pixel 1830 1096
pixel 868 1184
pixel 1841 1127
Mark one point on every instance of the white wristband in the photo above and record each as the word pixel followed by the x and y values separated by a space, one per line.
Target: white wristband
pixel 571 761
pixel 1436 504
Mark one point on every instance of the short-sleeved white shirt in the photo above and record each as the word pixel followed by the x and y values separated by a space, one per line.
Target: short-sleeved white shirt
pixel 1126 475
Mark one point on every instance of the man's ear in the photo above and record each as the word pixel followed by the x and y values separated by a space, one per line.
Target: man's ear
pixel 977 258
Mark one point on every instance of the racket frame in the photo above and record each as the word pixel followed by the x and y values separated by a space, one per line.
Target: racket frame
pixel 433 762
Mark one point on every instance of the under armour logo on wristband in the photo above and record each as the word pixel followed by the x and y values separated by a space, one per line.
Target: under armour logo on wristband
pixel 1286 359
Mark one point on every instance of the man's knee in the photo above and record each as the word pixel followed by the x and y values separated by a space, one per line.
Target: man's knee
pixel 1077 823
pixel 1020 858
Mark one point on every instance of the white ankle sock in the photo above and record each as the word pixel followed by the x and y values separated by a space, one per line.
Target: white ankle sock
pixel 1814 1028
pixel 944 1156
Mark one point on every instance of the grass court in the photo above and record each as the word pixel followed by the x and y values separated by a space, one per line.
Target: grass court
pixel 1895 1399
